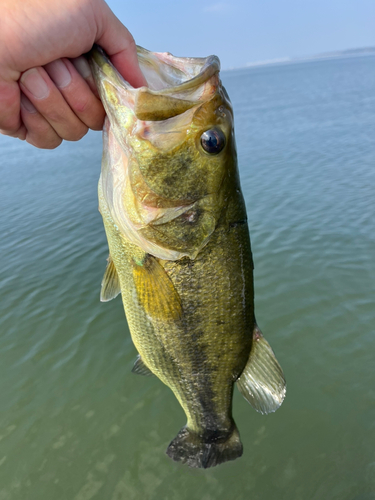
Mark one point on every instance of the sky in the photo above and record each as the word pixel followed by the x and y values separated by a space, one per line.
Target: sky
pixel 247 31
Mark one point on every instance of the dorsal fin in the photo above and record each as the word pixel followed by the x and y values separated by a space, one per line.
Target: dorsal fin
pixel 155 290
pixel 262 382
pixel 110 283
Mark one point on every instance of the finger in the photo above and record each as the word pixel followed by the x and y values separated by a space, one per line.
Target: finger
pixel 47 99
pixel 10 119
pixel 76 93
pixel 121 48
pixel 82 66
pixel 18 134
pixel 39 132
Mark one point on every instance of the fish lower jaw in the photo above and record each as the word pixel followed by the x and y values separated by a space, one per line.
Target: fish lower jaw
pixel 204 451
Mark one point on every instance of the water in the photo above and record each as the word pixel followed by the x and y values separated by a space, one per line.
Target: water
pixel 75 424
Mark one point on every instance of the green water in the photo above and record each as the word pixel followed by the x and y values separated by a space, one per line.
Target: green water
pixel 75 424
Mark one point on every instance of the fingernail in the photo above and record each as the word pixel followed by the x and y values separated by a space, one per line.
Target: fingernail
pixel 59 73
pixel 27 104
pixel 82 66
pixel 34 83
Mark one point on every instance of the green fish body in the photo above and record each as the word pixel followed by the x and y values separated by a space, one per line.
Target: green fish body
pixel 175 220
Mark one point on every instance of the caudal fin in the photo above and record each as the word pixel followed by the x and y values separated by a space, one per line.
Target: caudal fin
pixel 191 449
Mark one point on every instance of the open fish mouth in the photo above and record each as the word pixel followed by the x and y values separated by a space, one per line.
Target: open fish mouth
pixel 176 74
pixel 164 150
pixel 174 84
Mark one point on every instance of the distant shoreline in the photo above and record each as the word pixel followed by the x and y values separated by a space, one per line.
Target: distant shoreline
pixel 341 54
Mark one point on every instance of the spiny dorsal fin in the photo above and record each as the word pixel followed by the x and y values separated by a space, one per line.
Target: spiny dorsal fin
pixel 155 290
pixel 262 382
pixel 140 368
pixel 110 283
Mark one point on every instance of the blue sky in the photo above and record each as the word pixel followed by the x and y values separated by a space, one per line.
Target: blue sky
pixel 245 31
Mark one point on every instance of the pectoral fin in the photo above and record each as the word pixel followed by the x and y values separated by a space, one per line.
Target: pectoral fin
pixel 110 283
pixel 140 368
pixel 155 290
pixel 262 382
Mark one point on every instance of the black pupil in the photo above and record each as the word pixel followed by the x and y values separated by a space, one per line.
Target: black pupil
pixel 213 141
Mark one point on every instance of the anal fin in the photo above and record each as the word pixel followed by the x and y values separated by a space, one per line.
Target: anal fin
pixel 110 283
pixel 262 382
pixel 140 368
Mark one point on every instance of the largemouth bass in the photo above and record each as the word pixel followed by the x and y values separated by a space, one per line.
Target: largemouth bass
pixel 179 246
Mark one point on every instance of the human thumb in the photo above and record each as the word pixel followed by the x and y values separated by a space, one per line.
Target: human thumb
pixel 119 44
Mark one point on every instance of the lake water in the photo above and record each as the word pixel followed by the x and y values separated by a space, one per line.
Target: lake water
pixel 76 424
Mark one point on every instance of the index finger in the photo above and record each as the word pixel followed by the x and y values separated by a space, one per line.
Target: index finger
pixel 10 116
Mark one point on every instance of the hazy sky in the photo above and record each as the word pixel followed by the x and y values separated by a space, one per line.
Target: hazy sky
pixel 242 31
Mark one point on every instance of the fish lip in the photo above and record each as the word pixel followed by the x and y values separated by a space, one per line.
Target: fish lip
pixel 210 68
pixel 99 59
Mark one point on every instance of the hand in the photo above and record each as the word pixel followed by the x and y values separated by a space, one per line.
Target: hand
pixel 47 92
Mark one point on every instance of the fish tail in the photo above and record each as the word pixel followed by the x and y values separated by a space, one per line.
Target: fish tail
pixel 200 452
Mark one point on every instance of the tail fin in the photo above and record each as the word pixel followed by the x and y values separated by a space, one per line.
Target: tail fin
pixel 191 449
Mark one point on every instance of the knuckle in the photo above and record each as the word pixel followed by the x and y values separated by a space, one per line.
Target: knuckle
pixel 97 121
pixel 97 126
pixel 45 142
pixel 95 115
pixel 83 105
pixel 77 134
pixel 131 42
pixel 132 45
pixel 53 115
pixel 6 132
pixel 10 123
pixel 10 131
pixel 84 132
pixel 54 143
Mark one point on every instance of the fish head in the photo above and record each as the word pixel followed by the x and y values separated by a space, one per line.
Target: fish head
pixel 169 151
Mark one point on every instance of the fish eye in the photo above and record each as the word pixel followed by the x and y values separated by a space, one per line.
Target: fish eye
pixel 213 141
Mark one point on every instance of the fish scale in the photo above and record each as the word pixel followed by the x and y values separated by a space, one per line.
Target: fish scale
pixel 179 245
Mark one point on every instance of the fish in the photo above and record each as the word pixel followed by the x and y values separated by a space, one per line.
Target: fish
pixel 179 247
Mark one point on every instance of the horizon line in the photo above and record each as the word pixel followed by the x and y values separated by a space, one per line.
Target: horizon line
pixel 337 54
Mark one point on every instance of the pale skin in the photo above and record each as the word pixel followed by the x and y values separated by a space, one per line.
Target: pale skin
pixel 47 93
